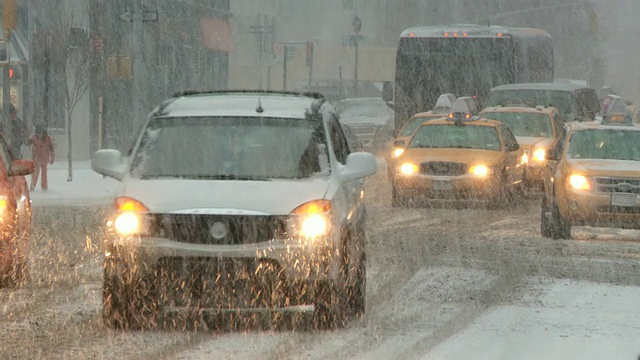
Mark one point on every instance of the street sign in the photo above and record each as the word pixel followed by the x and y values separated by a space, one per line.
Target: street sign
pixel 261 29
pixel 357 24
pixel 147 16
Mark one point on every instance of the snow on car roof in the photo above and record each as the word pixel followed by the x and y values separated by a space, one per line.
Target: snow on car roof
pixel 289 106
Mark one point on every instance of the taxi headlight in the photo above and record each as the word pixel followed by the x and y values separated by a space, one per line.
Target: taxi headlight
pixel 409 169
pixel 539 154
pixel 397 152
pixel 127 224
pixel 479 170
pixel 579 182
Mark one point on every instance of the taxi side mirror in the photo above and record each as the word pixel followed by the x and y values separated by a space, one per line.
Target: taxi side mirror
pixel 513 147
pixel 399 143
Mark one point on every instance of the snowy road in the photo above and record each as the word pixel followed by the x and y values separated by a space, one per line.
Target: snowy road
pixel 442 284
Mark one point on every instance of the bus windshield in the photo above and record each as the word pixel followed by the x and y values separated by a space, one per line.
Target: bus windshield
pixel 428 67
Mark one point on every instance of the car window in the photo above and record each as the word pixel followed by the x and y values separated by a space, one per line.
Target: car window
pixel 414 123
pixel 460 137
pixel 339 141
pixel 510 140
pixel 229 148
pixel 524 123
pixel 604 144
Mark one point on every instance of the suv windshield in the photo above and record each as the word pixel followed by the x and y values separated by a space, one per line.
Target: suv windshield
pixel 362 109
pixel 452 136
pixel 562 100
pixel 231 149
pixel 523 123
pixel 415 122
pixel 605 144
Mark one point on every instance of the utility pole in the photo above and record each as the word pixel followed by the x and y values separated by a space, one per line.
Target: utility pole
pixel 261 30
pixel 136 52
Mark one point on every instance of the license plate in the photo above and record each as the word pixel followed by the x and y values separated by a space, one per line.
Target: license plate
pixel 626 200
pixel 441 185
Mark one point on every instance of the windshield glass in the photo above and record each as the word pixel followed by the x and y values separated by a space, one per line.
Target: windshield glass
pixel 452 136
pixel 524 123
pixel 415 122
pixel 562 100
pixel 362 109
pixel 605 144
pixel 230 148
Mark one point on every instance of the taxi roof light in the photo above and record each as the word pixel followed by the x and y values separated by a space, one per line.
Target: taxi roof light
pixel 617 119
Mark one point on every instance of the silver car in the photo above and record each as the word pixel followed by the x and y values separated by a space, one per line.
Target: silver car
pixel 370 119
pixel 237 202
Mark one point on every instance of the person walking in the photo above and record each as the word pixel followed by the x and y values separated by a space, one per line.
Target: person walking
pixel 19 133
pixel 43 154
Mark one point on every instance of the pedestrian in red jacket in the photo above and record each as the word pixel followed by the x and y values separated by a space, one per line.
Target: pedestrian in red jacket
pixel 43 154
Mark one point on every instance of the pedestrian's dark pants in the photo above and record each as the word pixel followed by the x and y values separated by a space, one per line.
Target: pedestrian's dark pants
pixel 34 177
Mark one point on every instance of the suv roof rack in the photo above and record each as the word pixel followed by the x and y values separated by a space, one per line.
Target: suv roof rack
pixel 314 95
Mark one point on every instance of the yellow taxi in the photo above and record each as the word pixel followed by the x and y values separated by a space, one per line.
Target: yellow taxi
pixel 593 178
pixel 536 128
pixel 458 157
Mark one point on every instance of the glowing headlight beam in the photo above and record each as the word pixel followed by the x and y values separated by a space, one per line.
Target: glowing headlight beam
pixel 409 169
pixel 127 224
pixel 540 155
pixel 314 226
pixel 579 182
pixel 397 152
pixel 479 170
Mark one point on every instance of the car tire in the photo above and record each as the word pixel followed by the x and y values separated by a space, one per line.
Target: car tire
pixel 561 229
pixel 127 303
pixel 397 200
pixel 554 225
pixel 357 293
pixel 330 306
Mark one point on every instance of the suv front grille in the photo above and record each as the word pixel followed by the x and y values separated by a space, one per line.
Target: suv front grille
pixel 617 185
pixel 218 229
pixel 443 168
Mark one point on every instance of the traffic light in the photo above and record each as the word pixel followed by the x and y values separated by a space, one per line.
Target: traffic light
pixel 4 52
pixel 8 15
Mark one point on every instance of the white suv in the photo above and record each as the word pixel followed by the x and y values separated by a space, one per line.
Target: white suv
pixel 236 202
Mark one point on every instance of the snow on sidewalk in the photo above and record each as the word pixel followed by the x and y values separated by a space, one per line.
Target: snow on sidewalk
pixel 87 187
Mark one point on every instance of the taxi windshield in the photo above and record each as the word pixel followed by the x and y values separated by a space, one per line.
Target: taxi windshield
pixel 458 137
pixel 415 122
pixel 524 123
pixel 605 144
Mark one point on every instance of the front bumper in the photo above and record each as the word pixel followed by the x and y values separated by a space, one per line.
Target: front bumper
pixel 602 210
pixel 295 262
pixel 447 187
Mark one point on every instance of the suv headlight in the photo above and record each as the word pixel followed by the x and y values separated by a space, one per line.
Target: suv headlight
pixel 311 221
pixel 579 182
pixel 479 170
pixel 130 219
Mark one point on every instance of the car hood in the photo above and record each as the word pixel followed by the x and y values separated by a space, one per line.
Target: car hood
pixel 528 142
pixel 467 156
pixel 376 120
pixel 609 168
pixel 276 197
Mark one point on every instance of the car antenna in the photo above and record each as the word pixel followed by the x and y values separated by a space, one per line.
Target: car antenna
pixel 259 109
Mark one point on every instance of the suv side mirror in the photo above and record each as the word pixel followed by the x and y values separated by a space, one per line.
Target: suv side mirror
pixel 399 144
pixel 387 91
pixel 110 163
pixel 21 168
pixel 359 165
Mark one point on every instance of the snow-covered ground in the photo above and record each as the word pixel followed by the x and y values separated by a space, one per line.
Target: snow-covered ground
pixel 557 319
pixel 87 187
